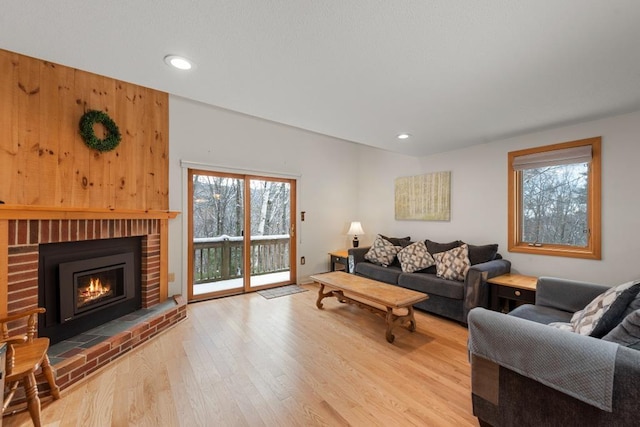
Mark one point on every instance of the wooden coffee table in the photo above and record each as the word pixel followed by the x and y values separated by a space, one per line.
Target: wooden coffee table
pixel 371 294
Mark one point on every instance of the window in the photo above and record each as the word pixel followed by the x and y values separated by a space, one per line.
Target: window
pixel 554 199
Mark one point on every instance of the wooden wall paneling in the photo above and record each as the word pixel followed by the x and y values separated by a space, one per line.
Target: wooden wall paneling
pixel 68 153
pixel 101 99
pixel 83 166
pixel 160 140
pixel 77 190
pixel 8 126
pixel 148 172
pixel 46 163
pixel 51 119
pixel 138 124
pixel 28 88
pixel 100 96
pixel 138 146
pixel 128 108
pixel 126 190
pixel 158 148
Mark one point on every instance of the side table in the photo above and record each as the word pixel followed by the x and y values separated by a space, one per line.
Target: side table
pixel 339 258
pixel 510 290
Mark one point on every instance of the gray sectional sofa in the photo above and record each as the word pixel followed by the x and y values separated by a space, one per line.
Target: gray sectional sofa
pixel 448 298
pixel 526 373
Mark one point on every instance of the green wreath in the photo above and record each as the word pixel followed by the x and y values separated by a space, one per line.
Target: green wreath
pixel 110 141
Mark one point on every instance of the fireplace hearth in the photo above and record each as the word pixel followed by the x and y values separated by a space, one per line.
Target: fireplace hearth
pixel 87 283
pixel 39 228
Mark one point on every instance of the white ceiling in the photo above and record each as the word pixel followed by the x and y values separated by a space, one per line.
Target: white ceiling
pixel 450 72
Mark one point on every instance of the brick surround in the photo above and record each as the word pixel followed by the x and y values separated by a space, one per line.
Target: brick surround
pixel 24 238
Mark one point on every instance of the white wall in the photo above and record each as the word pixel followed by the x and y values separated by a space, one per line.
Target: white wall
pixel 479 199
pixel 326 167
pixel 340 181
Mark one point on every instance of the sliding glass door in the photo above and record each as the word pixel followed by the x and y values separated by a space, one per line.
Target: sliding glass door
pixel 217 238
pixel 223 206
pixel 271 232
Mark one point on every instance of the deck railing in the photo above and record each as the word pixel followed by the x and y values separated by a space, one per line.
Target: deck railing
pixel 220 258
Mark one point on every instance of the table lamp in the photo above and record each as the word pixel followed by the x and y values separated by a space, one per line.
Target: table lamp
pixel 355 229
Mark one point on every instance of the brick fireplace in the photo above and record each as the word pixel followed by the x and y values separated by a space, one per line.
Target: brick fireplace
pixel 24 238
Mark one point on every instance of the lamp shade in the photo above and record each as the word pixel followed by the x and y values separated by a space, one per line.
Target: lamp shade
pixel 355 228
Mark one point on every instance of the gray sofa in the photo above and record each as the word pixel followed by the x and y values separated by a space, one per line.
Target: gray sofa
pixel 527 373
pixel 448 298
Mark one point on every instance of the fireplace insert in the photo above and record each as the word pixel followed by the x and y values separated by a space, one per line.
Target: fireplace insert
pixel 87 283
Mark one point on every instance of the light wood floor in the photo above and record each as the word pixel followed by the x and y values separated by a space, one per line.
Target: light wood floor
pixel 249 361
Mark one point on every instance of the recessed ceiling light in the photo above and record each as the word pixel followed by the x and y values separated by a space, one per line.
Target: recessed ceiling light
pixel 179 62
pixel 404 136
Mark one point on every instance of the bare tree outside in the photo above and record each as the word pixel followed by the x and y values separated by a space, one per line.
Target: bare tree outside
pixel 217 206
pixel 270 213
pixel 554 205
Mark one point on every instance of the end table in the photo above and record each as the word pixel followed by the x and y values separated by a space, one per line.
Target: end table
pixel 510 290
pixel 339 257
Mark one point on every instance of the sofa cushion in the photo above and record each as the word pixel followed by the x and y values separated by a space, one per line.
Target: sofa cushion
pixel 453 264
pixel 483 253
pixel 627 333
pixel 382 252
pixel 415 257
pixel 435 247
pixel 378 272
pixel 603 313
pixel 432 285
pixel 541 314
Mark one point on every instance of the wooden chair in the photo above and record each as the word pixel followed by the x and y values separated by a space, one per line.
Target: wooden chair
pixel 25 355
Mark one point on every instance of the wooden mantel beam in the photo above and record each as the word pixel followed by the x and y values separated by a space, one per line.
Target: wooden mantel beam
pixel 55 212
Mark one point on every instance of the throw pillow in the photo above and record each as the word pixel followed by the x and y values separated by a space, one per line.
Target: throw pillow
pixel 398 241
pixel 435 247
pixel 453 264
pixel 586 321
pixel 633 306
pixel 614 315
pixel 627 333
pixel 415 257
pixel 382 252
pixel 484 253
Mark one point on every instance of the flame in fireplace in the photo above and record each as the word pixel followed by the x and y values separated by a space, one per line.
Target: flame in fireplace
pixel 94 291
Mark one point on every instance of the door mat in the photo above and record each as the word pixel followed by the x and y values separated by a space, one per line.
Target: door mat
pixel 281 291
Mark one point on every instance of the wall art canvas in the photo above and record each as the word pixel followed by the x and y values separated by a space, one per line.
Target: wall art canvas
pixel 424 197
